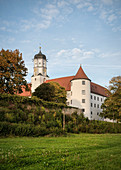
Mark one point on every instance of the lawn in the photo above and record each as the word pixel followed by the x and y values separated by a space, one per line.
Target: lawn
pixel 82 151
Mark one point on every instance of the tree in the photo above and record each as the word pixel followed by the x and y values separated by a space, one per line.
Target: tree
pixel 112 105
pixel 51 91
pixel 12 72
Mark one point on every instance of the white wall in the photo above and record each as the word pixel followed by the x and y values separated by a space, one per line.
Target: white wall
pixel 77 96
pixel 37 80
pixel 40 66
pixel 96 102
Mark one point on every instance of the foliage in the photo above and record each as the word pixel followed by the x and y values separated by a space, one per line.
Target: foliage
pixel 51 91
pixel 24 116
pixel 82 151
pixel 112 105
pixel 12 72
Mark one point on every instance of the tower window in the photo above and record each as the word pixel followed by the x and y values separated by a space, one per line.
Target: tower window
pixel 35 79
pixel 71 101
pixel 94 105
pixel 83 92
pixel 91 96
pixel 83 110
pixel 91 105
pixel 83 100
pixel 94 97
pixel 97 98
pixel 98 106
pixel 83 82
pixel 91 113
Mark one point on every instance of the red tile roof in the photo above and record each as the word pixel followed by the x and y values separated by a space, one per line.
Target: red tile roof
pixel 63 81
pixel 66 83
pixel 25 93
pixel 80 74
pixel 97 89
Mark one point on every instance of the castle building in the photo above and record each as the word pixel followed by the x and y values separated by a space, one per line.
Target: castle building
pixel 81 92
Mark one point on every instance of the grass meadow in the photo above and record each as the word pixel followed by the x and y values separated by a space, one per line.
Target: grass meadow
pixel 76 151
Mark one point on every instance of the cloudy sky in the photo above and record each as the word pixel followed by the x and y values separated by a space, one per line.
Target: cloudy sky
pixel 71 32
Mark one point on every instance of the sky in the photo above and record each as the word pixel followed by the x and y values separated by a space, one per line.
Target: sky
pixel 70 33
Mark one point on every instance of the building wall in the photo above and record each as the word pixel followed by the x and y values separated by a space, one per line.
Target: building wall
pixel 96 102
pixel 40 67
pixel 80 95
pixel 37 80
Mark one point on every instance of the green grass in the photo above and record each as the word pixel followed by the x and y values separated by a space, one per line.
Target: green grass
pixel 82 151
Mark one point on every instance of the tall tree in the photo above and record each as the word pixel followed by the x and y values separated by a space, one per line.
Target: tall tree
pixel 51 91
pixel 112 105
pixel 12 72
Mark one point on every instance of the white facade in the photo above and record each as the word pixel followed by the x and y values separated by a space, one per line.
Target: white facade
pixel 96 102
pixel 80 95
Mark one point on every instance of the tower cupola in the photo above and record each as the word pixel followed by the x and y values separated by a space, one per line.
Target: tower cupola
pixel 40 64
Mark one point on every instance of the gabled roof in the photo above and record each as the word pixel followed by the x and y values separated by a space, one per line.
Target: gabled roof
pixel 63 81
pixel 80 74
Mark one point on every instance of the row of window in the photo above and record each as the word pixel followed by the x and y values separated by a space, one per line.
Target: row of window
pixel 92 113
pixel 83 101
pixel 95 98
pixel 83 83
pixel 94 105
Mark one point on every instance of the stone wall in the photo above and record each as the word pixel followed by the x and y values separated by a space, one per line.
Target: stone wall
pixel 69 111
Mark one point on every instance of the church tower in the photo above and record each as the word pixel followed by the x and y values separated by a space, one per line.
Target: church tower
pixel 40 70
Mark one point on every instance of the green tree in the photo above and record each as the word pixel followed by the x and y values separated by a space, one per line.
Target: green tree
pixel 51 91
pixel 12 72
pixel 112 105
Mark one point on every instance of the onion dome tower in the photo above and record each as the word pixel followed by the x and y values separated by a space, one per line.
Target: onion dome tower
pixel 40 70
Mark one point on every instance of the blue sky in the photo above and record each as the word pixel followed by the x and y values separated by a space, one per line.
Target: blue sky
pixel 71 32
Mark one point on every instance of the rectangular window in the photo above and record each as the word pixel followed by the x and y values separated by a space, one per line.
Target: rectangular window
pixel 97 105
pixel 91 96
pixel 91 105
pixel 83 100
pixel 83 82
pixel 71 93
pixel 91 113
pixel 97 98
pixel 71 101
pixel 101 99
pixel 83 110
pixel 94 97
pixel 94 105
pixel 97 113
pixel 83 92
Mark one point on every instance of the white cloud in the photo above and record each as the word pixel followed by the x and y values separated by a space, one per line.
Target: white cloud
pixel 25 41
pixel 107 2
pixel 111 18
pixel 90 8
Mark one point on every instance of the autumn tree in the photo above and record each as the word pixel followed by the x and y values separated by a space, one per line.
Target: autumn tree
pixel 51 91
pixel 12 72
pixel 112 105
